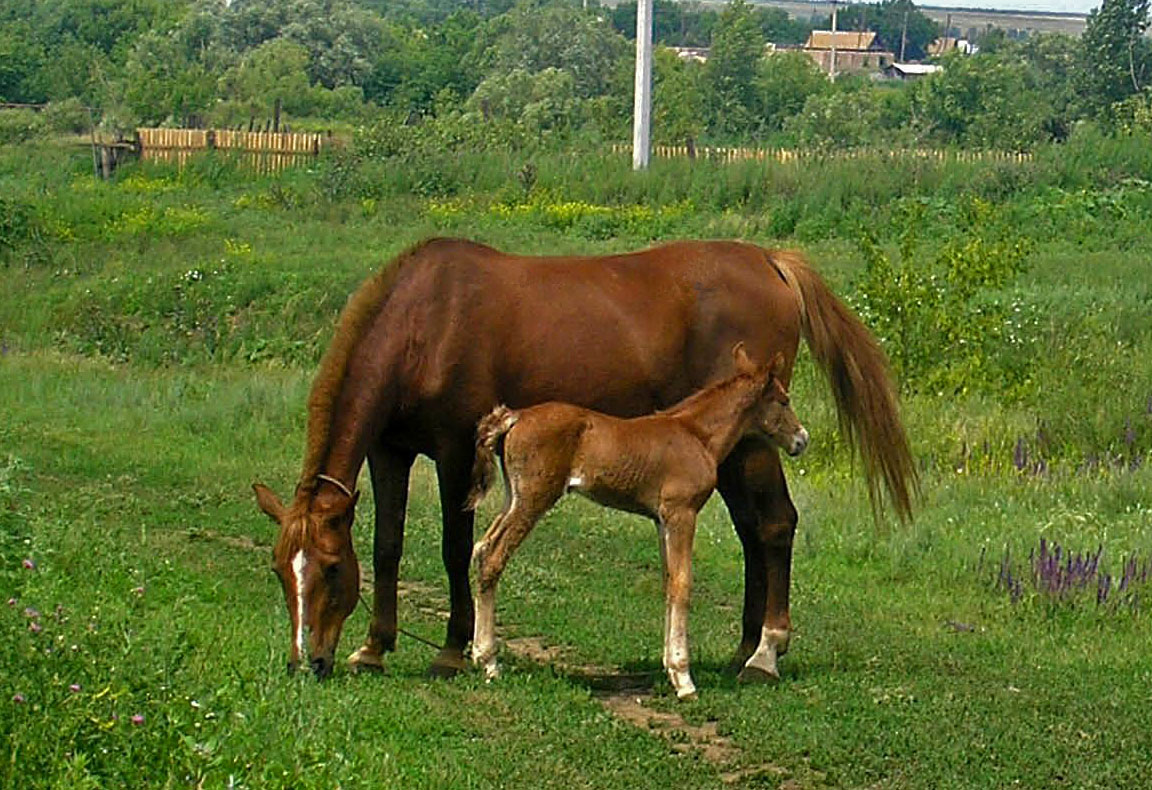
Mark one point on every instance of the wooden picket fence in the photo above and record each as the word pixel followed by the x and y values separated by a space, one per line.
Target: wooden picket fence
pixel 264 152
pixel 782 155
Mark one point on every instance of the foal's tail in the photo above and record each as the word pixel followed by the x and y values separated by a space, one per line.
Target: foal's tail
pixel 489 442
pixel 857 371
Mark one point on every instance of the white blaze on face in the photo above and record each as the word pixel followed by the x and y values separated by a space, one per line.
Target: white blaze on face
pixel 298 563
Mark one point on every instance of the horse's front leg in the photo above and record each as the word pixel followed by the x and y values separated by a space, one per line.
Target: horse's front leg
pixel 454 475
pixel 677 531
pixel 390 470
pixel 752 484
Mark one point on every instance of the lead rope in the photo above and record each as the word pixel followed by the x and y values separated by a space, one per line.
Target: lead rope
pixel 408 634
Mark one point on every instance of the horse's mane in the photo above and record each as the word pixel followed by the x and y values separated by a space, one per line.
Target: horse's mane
pixel 731 382
pixel 358 314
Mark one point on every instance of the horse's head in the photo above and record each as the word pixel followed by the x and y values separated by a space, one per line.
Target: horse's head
pixel 316 563
pixel 773 416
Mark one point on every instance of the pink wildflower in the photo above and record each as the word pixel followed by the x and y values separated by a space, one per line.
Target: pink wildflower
pixel 74 688
pixel 29 564
pixel 138 590
pixel 18 698
pixel 11 601
pixel 137 719
pixel 35 627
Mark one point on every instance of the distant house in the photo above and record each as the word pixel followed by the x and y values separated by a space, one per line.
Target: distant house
pixel 696 54
pixel 854 51
pixel 946 44
pixel 910 71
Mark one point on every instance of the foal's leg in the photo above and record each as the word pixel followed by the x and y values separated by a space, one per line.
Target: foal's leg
pixel 494 550
pixel 390 470
pixel 678 529
pixel 751 481
pixel 454 474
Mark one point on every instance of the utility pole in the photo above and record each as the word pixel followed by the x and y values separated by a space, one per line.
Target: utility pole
pixel 642 109
pixel 832 62
pixel 904 34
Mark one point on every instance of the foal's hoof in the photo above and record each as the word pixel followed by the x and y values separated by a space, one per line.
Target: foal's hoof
pixel 364 659
pixel 756 675
pixel 447 664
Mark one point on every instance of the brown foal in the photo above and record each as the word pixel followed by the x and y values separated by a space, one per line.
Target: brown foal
pixel 663 466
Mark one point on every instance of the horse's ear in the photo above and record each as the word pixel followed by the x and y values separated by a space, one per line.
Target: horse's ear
pixel 740 357
pixel 269 502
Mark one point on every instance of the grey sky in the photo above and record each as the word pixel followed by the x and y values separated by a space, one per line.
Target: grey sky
pixel 1069 6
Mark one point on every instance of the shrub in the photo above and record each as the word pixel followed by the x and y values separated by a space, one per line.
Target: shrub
pixel 18 126
pixel 941 315
pixel 69 116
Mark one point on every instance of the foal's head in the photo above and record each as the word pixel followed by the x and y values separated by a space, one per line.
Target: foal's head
pixel 773 416
pixel 317 566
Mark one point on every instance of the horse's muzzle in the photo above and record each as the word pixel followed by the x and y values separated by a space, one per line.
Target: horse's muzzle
pixel 322 667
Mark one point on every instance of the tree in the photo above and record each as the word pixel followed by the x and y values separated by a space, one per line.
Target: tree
pixel 730 74
pixel 984 101
pixel 1117 57
pixel 1054 59
pixel 839 119
pixel 677 98
pixel 21 58
pixel 162 82
pixel 556 36
pixel 784 82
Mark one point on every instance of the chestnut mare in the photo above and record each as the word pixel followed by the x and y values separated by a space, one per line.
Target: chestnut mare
pixel 662 466
pixel 450 329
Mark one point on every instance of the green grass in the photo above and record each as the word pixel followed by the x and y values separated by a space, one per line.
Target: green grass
pixel 138 403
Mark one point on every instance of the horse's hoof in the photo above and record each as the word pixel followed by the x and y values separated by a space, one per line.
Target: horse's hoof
pixel 691 696
pixel 365 660
pixel 448 664
pixel 736 665
pixel 756 675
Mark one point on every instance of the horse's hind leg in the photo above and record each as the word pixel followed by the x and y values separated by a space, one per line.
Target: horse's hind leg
pixel 493 551
pixel 390 470
pixel 677 532
pixel 751 481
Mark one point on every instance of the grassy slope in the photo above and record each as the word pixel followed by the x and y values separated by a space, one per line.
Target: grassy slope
pixel 115 477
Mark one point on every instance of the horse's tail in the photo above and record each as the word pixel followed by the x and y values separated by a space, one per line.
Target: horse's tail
pixel 490 433
pixel 857 370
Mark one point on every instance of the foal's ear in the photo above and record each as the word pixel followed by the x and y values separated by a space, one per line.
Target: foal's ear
pixel 739 356
pixel 268 502
pixel 776 367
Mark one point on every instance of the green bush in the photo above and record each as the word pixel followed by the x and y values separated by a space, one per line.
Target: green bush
pixel 943 314
pixel 18 126
pixel 69 116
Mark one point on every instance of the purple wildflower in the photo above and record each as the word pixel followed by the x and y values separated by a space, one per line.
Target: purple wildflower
pixel 35 627
pixel 18 698
pixel 31 613
pixel 29 564
pixel 137 719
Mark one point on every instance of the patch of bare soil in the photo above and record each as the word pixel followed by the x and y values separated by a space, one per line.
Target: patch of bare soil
pixel 235 541
pixel 627 696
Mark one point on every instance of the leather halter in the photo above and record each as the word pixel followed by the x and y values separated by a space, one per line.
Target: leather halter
pixel 329 479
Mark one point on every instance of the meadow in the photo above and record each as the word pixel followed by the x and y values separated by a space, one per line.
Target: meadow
pixel 157 337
